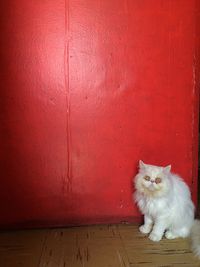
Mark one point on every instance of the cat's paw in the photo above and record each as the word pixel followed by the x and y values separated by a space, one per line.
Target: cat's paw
pixel 170 235
pixel 144 229
pixel 155 237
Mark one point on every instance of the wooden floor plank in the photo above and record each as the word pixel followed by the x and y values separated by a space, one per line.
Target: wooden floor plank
pixel 21 248
pixel 84 246
pixel 167 253
pixel 92 246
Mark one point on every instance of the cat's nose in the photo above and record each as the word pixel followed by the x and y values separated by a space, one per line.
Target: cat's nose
pixel 152 181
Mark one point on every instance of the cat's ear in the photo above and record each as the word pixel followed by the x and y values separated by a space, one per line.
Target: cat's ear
pixel 142 164
pixel 167 169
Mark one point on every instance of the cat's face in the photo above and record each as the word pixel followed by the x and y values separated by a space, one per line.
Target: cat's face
pixel 152 180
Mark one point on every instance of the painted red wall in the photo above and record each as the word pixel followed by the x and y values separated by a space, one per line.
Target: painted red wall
pixel 87 89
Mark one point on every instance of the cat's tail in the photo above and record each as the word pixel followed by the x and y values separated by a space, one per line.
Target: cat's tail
pixel 195 238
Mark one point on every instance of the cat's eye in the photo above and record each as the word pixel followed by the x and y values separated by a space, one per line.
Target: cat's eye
pixel 158 180
pixel 147 178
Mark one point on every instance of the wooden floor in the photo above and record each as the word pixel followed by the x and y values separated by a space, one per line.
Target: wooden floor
pixel 94 246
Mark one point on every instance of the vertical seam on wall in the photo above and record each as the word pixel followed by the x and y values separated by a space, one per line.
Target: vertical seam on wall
pixel 66 78
pixel 195 111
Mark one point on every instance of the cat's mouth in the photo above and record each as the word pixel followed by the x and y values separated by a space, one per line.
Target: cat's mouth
pixel 151 188
pixel 150 191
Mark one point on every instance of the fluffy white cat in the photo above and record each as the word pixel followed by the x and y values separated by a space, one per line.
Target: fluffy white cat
pixel 165 201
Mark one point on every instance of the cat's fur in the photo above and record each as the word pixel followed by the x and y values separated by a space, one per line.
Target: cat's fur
pixel 166 204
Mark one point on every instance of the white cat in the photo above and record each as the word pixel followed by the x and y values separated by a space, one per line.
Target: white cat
pixel 165 200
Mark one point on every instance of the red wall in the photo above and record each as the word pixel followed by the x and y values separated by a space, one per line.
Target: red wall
pixel 87 89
